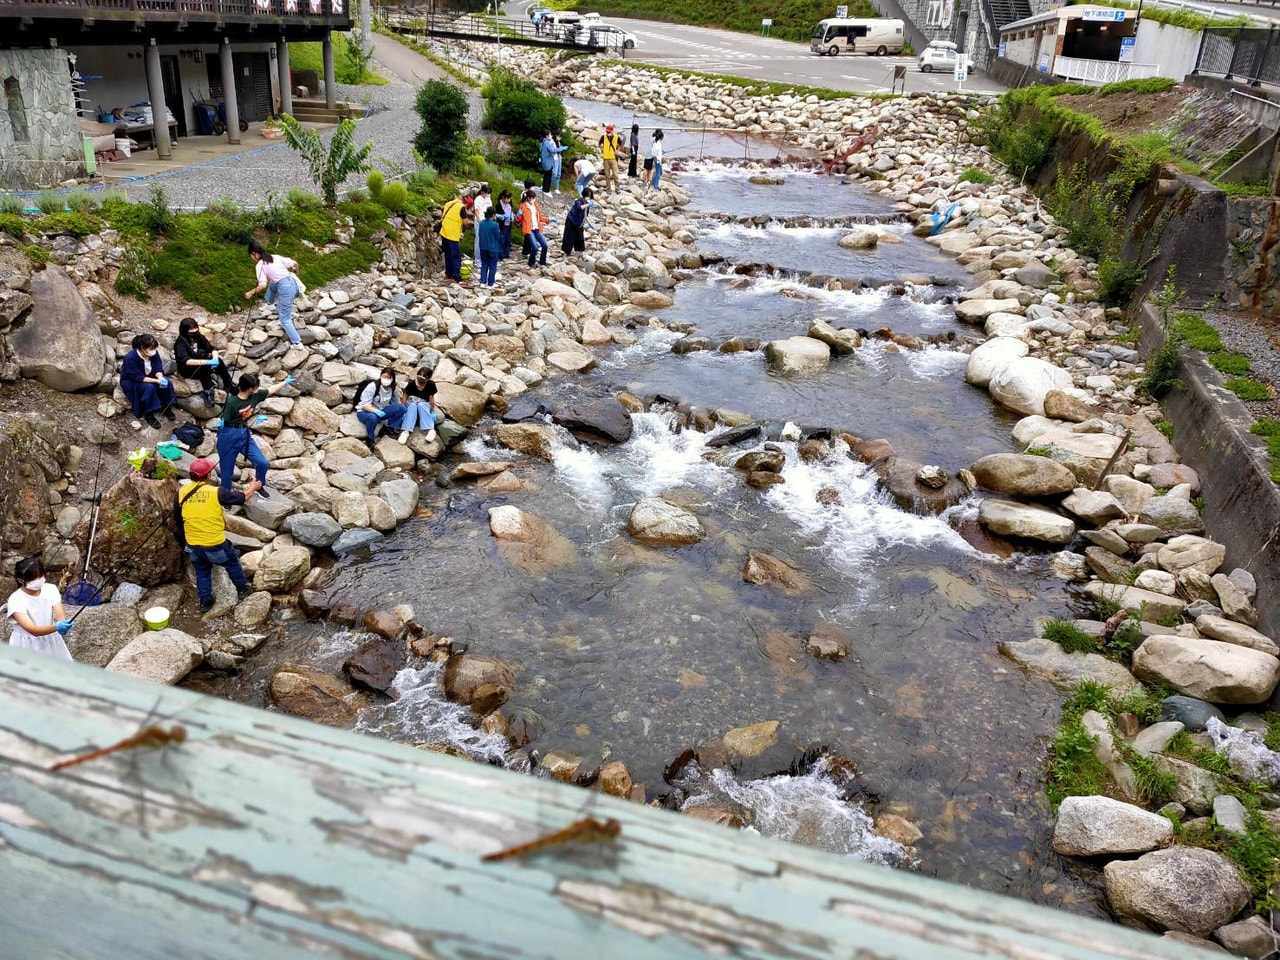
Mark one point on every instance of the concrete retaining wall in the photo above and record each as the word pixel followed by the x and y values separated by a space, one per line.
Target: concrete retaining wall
pixel 1172 49
pixel 1242 505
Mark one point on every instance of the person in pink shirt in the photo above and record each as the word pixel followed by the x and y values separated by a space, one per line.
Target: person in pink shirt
pixel 278 276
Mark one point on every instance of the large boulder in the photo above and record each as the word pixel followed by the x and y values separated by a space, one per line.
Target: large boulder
pixel 1094 826
pixel 460 404
pixel 313 416
pixel 161 656
pixel 1025 521
pixel 1189 552
pixel 483 683
pixel 1022 385
pixel 101 632
pixel 900 478
pixel 1021 475
pixel 1154 606
pixel 311 694
pixel 992 357
pixel 402 494
pixel 529 542
pixel 135 530
pixel 282 569
pixel 314 529
pixel 661 524
pixel 270 511
pixel 1208 669
pixel 534 439
pixel 59 344
pixel 841 342
pixel 1044 658
pixel 604 420
pixel 797 355
pixel 1172 515
pixel 1183 888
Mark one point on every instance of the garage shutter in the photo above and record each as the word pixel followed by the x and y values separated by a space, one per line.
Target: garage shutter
pixel 253 91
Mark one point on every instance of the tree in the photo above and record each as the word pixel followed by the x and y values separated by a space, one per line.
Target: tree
pixel 443 109
pixel 328 167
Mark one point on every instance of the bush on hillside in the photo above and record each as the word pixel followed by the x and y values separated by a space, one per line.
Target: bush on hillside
pixel 518 108
pixel 443 110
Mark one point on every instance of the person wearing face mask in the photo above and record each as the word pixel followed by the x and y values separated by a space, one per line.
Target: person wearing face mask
pixel 379 403
pixel 142 380
pixel 234 438
pixel 39 621
pixel 420 406
pixel 197 360
pixel 278 276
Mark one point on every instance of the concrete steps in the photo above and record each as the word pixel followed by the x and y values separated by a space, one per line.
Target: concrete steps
pixel 315 111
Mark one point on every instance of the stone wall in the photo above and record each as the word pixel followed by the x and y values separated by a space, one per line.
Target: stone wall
pixel 1251 275
pixel 51 150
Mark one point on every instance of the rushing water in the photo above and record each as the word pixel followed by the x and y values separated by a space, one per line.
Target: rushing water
pixel 634 653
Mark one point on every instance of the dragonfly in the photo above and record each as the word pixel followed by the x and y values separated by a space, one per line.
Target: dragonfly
pixel 588 828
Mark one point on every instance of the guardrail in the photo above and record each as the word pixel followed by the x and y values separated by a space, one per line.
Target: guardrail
pixel 515 30
pixel 1249 55
pixel 1101 71
pixel 239 9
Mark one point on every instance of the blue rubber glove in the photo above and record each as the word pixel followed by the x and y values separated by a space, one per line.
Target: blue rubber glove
pixel 260 419
pixel 381 414
pixel 218 424
pixel 62 626
pixel 289 378
pixel 164 381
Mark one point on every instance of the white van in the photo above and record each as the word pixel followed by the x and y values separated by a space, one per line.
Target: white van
pixel 876 36
pixel 560 23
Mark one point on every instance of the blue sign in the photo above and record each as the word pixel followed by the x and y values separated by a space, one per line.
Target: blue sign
pixel 1003 45
pixel 1127 45
pixel 1106 15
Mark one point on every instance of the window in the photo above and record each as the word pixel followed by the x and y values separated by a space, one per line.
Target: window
pixel 17 112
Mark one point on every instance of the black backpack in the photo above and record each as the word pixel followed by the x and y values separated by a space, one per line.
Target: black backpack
pixel 189 435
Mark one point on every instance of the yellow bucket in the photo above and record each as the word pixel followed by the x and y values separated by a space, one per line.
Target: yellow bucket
pixel 156 618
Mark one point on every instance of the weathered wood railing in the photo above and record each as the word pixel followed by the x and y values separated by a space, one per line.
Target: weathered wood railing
pixel 263 836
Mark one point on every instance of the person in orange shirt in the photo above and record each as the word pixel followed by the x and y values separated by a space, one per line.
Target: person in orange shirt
pixel 531 222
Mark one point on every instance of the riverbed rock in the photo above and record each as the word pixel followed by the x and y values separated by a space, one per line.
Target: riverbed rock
pixel 841 342
pixel 1097 826
pixel 101 632
pixel 59 343
pixel 1064 670
pixel 533 439
pixel 1194 786
pixel 1155 738
pixel 1022 385
pixel 376 664
pixel 1095 507
pixel 764 569
pixel 1228 631
pixel 797 355
pixel 483 683
pixel 1156 606
pixel 1233 601
pixel 901 479
pixel 1158 581
pixel 1189 552
pixel 1182 888
pixel 314 529
pixel 460 404
pixel 528 542
pixel 1173 515
pixel 771 461
pixel 313 416
pixel 615 779
pixel 282 569
pixel 859 238
pixel 1207 669
pixel 1252 937
pixel 311 694
pixel 1020 475
pixel 898 829
pixel 604 420
pixel 1230 815
pixel 1025 521
pixel 661 524
pixel 1193 714
pixel 269 512
pixel 1061 405
pixel 161 656
pixel 991 357
pixel 976 311
pixel 751 741
pixel 1104 748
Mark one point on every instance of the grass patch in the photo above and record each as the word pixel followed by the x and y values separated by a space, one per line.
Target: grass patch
pixel 346 67
pixel 1253 188
pixel 1142 85
pixel 1257 853
pixel 1166 428
pixel 1155 786
pixel 1196 332
pixel 976 175
pixel 13 225
pixel 1248 389
pixel 1070 637
pixel 1039 452
pixel 1270 430
pixel 1232 364
pixel 1187 19
pixel 1184 748
pixel 1073 770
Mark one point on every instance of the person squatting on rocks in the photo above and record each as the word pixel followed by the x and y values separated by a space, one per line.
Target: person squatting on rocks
pixel 234 437
pixel 531 222
pixel 576 226
pixel 379 402
pixel 451 223
pixel 506 216
pixel 39 621
pixel 480 204
pixel 584 170
pixel 610 144
pixel 634 152
pixel 488 248
pixel 142 380
pixel 203 529
pixel 278 276
pixel 420 406
pixel 195 359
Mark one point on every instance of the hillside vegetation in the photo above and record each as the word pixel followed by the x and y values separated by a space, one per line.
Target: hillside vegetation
pixel 792 19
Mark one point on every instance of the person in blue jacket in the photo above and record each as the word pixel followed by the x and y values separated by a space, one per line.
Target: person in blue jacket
pixel 575 224
pixel 489 240
pixel 546 157
pixel 142 380
pixel 557 165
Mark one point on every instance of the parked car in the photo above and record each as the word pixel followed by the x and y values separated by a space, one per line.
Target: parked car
pixel 592 33
pixel 938 55
pixel 534 11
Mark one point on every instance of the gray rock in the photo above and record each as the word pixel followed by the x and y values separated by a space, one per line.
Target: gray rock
pixel 1104 748
pixel 1108 540
pixel 661 524
pixel 1191 553
pixel 597 421
pixel 253 610
pixel 1139 532
pixel 1245 581
pixel 1229 814
pixel 1202 608
pixel 1182 888
pixel 1228 631
pixel 1252 937
pixel 101 632
pixel 797 355
pixel 1156 737
pixel 1207 669
pixel 1191 713
pixel 1195 786
pixel 1065 670
pixel 1093 506
pixel 1172 514
pixel 354 539
pixel 1025 521
pixel 1094 826
pixel 269 511
pixel 161 656
pixel 402 495
pixel 314 529
pixel 1020 475
pixel 59 344
pixel 1156 605
pixel 841 342
pixel 1233 601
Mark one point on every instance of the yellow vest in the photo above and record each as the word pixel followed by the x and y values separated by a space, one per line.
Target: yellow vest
pixel 609 149
pixel 202 515
pixel 451 221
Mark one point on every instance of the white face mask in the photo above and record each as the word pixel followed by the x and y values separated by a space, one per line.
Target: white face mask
pixel 387 383
pixel 36 585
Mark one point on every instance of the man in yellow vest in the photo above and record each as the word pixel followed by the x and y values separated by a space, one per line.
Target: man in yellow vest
pixel 203 530
pixel 610 144
pixel 451 222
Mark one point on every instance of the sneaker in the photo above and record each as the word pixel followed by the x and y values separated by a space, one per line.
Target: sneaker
pixel 168 414
pixel 404 437
pixel 206 606
pixel 242 592
pixel 431 436
pixel 262 492
pixel 152 422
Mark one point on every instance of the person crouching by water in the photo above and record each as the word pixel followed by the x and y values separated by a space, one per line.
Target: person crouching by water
pixel 36 610
pixel 197 360
pixel 204 530
pixel 380 403
pixel 420 406
pixel 276 275
pixel 142 380
pixel 234 437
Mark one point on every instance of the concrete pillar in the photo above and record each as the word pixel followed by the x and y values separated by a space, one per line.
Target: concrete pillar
pixel 159 112
pixel 366 30
pixel 229 92
pixel 286 82
pixel 330 78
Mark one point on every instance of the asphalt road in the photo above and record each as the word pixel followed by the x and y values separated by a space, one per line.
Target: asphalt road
pixel 761 58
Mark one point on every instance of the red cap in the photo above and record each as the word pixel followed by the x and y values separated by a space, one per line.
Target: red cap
pixel 609 128
pixel 201 468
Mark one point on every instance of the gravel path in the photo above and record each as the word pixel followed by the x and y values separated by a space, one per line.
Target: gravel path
pixel 248 178
pixel 1259 340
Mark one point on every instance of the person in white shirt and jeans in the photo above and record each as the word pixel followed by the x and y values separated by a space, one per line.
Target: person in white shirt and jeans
pixel 278 276
pixel 480 204
pixel 39 621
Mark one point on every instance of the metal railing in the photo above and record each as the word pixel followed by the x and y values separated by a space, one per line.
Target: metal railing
pixel 1249 55
pixel 1101 71
pixel 516 30
pixel 327 9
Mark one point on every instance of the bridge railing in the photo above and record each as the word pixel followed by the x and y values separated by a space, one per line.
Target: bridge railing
pixel 1252 56
pixel 516 30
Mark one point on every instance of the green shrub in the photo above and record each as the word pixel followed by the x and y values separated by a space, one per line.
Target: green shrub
pixel 1232 364
pixel 223 207
pixel 1070 637
pixel 1118 281
pixel 81 201
pixel 328 165
pixel 114 203
pixel 443 109
pixel 976 175
pixel 70 224
pixel 11 203
pixel 13 225
pixel 1143 85
pixel 37 254
pixel 374 181
pixel 1021 146
pixel 1197 333
pixel 394 196
pixel 1039 452
pixel 132 279
pixel 516 107
pixel 156 212
pixel 1069 89
pixel 301 199
pixel 1247 389
pixel 49 202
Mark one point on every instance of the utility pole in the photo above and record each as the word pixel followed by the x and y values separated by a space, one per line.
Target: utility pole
pixel 366 35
